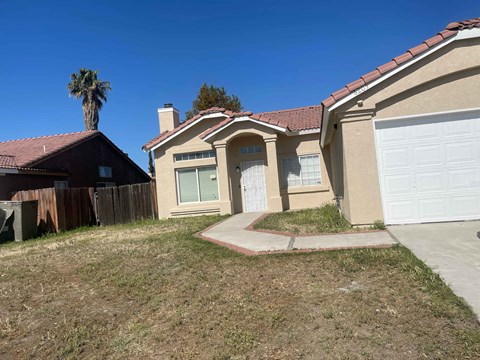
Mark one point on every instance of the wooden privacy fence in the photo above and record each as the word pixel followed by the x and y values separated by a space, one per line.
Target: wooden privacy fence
pixel 61 209
pixel 124 204
pixel 66 209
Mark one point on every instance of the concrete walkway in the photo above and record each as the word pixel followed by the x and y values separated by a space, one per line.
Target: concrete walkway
pixel 450 249
pixel 233 233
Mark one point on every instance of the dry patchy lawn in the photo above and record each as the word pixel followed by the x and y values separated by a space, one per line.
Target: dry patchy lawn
pixel 153 290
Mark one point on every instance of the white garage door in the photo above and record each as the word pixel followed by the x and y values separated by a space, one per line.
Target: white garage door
pixel 429 168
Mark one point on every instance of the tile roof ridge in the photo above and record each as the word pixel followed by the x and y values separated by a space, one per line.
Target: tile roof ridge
pixel 51 136
pixel 241 113
pixel 213 109
pixel 450 30
pixel 464 24
pixel 292 109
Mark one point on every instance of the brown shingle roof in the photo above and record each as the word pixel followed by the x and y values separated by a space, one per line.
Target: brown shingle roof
pixel 27 152
pixel 450 30
pixel 303 118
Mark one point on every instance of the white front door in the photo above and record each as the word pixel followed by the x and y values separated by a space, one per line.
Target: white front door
pixel 429 168
pixel 253 186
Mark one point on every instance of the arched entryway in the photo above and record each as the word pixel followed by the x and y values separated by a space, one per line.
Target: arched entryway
pixel 245 153
pixel 247 161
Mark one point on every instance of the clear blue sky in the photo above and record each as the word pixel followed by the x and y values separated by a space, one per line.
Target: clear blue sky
pixel 273 54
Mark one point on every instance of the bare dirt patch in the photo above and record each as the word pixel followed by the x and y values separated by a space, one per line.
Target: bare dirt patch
pixel 153 290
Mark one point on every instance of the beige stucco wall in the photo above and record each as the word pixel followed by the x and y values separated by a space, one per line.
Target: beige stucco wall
pixel 165 167
pixel 444 81
pixel 305 196
pixel 236 136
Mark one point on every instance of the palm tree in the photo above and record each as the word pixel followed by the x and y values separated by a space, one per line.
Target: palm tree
pixel 94 92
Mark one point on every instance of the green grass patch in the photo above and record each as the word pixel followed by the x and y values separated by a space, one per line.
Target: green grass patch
pixel 325 219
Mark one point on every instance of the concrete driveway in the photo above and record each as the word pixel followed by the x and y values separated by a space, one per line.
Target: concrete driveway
pixel 452 250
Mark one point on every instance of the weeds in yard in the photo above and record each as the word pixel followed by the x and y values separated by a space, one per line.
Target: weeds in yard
pixel 378 225
pixel 75 341
pixel 154 290
pixel 325 219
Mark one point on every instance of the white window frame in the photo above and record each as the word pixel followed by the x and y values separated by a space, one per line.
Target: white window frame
pixel 179 202
pixel 286 186
pixel 248 147
pixel 210 152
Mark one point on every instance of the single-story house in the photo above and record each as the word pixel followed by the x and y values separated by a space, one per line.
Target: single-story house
pixel 80 159
pixel 225 162
pixel 400 144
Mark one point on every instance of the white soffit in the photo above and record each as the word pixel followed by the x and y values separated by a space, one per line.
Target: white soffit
pixel 242 119
pixel 208 116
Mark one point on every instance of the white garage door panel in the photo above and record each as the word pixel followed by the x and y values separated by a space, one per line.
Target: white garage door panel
pixel 402 210
pixel 426 155
pixel 433 208
pixel 432 181
pixel 429 168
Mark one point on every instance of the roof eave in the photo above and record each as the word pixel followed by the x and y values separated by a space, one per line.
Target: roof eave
pixel 207 116
pixel 242 119
pixel 327 110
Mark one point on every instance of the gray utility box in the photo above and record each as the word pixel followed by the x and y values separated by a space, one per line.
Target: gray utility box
pixel 22 224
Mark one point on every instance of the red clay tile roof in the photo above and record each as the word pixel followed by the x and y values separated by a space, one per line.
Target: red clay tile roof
pixel 450 30
pixel 304 118
pixel 7 161
pixel 25 153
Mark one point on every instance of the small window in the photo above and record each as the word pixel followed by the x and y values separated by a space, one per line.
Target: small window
pixel 105 171
pixel 250 149
pixel 60 184
pixel 301 171
pixel 195 155
pixel 197 185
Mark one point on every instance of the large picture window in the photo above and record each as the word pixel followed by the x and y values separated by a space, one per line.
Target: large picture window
pixel 301 171
pixel 197 185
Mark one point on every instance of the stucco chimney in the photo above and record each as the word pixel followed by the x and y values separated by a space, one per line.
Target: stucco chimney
pixel 168 117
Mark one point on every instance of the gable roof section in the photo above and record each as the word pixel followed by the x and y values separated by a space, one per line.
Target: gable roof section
pixel 449 31
pixel 158 140
pixel 294 120
pixel 25 153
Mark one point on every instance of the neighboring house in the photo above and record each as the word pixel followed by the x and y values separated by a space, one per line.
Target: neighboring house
pixel 81 159
pixel 400 144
